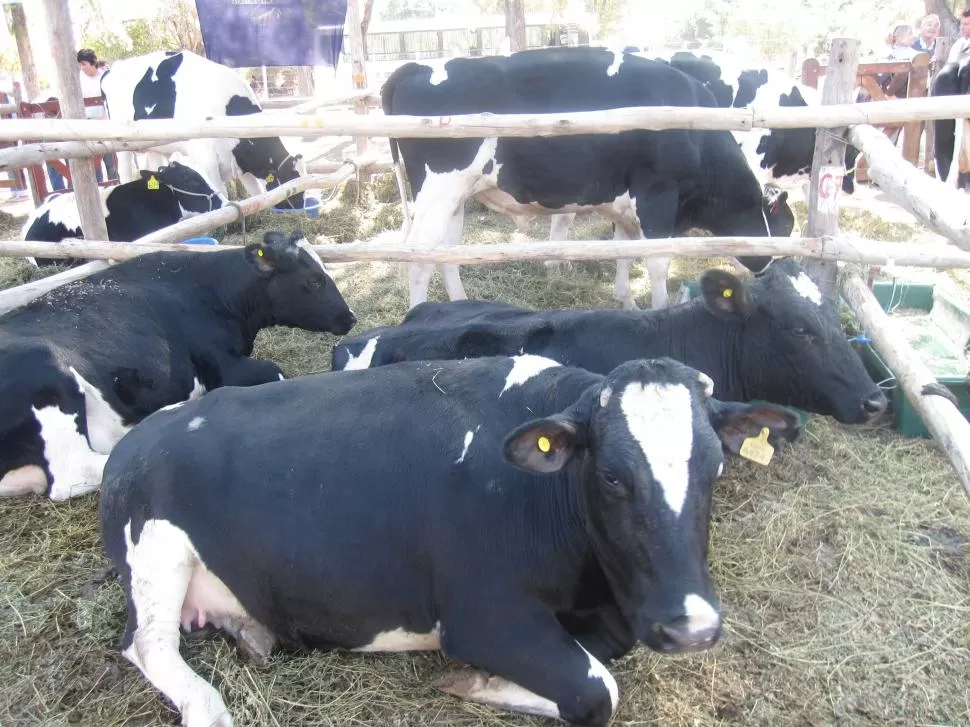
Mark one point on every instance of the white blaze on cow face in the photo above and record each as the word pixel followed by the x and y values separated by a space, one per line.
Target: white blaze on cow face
pixel 524 368
pixel 701 616
pixel 806 288
pixel 74 467
pixel 401 640
pixel 600 672
pixel 660 418
pixel 105 425
pixel 363 359
pixel 304 245
pixel 468 442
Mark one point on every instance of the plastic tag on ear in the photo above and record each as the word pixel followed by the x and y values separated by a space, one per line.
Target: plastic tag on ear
pixel 270 178
pixel 152 183
pixel 757 448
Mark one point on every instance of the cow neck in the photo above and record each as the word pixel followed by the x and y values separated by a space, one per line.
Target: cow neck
pixel 690 333
pixel 242 296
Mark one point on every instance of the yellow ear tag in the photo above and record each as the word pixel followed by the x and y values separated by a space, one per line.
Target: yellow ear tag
pixel 152 182
pixel 727 293
pixel 259 253
pixel 757 448
pixel 544 444
pixel 270 178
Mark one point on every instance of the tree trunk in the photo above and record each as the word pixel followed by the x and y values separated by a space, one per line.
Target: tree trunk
pixel 24 51
pixel 949 25
pixel 365 23
pixel 515 24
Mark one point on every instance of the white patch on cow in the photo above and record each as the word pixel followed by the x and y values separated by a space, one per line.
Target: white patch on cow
pixel 195 423
pixel 806 288
pixel 171 585
pixel 605 394
pixel 149 109
pixel 74 467
pixel 306 246
pixel 27 480
pixel 401 640
pixel 172 407
pixel 524 368
pixel 720 469
pixel 469 436
pixel 614 67
pixel 707 382
pixel 701 615
pixel 598 671
pixel 363 359
pixel 282 378
pixel 62 209
pixel 660 418
pixel 439 74
pixel 477 686
pixel 105 425
pixel 198 390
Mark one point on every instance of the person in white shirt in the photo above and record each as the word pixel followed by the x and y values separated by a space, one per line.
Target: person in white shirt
pixel 91 71
pixel 961 48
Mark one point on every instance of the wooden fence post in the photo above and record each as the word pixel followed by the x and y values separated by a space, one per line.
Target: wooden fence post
pixel 83 179
pixel 828 164
pixel 916 88
pixel 358 64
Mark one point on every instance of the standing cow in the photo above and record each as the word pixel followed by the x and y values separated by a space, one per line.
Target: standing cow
pixel 83 363
pixel 155 200
pixel 667 181
pixel 771 338
pixel 540 522
pixel 183 85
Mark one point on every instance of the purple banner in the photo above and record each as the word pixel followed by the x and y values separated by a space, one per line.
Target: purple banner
pixel 246 33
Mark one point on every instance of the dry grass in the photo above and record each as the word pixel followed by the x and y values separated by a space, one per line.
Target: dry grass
pixel 844 570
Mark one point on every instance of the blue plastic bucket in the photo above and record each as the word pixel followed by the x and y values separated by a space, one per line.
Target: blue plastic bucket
pixel 200 241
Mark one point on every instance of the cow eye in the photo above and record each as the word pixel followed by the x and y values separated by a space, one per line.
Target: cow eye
pixel 613 485
pixel 316 282
pixel 803 333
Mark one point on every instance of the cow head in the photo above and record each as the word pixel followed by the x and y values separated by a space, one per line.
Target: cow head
pixel 268 160
pixel 300 292
pixel 192 190
pixel 792 345
pixel 647 442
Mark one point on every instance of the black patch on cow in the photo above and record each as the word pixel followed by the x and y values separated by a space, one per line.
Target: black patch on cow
pixel 489 166
pixel 788 151
pixel 707 72
pixel 156 90
pixel 748 84
pixel 241 106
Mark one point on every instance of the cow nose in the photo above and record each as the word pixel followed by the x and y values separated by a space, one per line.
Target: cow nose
pixel 874 404
pixel 347 321
pixel 683 635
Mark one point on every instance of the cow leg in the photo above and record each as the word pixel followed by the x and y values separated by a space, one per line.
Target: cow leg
pixel 162 564
pixel 450 274
pixel 127 166
pixel 534 666
pixel 624 230
pixel 656 208
pixel 75 468
pixel 27 480
pixel 558 232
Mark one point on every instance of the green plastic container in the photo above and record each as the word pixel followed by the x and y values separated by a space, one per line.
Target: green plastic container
pixel 926 314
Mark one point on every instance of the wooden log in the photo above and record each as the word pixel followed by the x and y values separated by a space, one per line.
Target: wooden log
pixel 941 208
pixel 857 251
pixel 614 121
pixel 944 421
pixel 308 106
pixel 828 162
pixel 23 294
pixel 325 167
pixel 358 64
pixel 28 155
pixel 84 181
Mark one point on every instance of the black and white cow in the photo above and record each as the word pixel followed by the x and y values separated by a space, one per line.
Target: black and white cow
pixel 156 200
pixel 545 521
pixel 183 85
pixel 772 338
pixel 84 362
pixel 951 142
pixel 651 183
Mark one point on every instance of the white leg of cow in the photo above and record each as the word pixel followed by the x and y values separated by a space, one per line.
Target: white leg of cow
pixel 558 231
pixel 621 284
pixel 127 167
pixel 450 274
pixel 657 268
pixel 162 564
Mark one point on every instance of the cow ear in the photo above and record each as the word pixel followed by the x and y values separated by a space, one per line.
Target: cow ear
pixel 778 201
pixel 544 446
pixel 735 422
pixel 262 257
pixel 145 174
pixel 725 295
